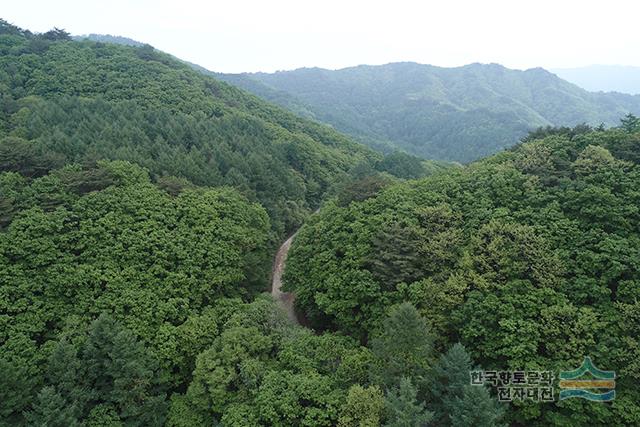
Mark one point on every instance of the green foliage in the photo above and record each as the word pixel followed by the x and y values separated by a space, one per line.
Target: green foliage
pixel 66 102
pixel 153 260
pixel 546 131
pixel 397 255
pixel 18 155
pixel 17 385
pixel 403 165
pixel 109 379
pixel 51 409
pixel 403 408
pixel 630 123
pixel 456 114
pixel 455 401
pixel 129 285
pixel 528 258
pixel 475 408
pixel 362 189
pixel 132 185
pixel 364 407
pixel 263 371
pixel 403 349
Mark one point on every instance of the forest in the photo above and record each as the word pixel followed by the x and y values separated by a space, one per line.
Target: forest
pixel 529 258
pixel 78 102
pixel 141 204
pixel 455 114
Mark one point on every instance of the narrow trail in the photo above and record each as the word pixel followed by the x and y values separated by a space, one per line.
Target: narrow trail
pixel 284 299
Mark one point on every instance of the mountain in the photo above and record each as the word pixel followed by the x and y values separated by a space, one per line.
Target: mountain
pixel 527 258
pixel 108 38
pixel 140 205
pixel 456 114
pixel 605 78
pixel 83 101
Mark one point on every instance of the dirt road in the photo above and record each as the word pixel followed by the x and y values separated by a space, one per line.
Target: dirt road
pixel 284 299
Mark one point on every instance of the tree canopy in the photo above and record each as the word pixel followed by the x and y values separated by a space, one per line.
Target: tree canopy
pixel 528 258
pixel 454 114
pixel 140 204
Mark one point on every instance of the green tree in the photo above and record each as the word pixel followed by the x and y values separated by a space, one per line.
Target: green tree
pixel 540 241
pixel 362 189
pixel 403 408
pixel 17 383
pixel 395 256
pixel 51 409
pixel 364 407
pixel 476 408
pixel 121 372
pixel 455 401
pixel 111 376
pixel 630 123
pixel 403 349
pixel 402 165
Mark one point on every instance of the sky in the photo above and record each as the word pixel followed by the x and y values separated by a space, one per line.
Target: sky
pixel 271 35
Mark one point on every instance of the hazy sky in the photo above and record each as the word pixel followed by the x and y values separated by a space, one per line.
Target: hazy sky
pixel 254 35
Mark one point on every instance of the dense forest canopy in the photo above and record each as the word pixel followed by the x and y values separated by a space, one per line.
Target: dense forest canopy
pixel 108 38
pixel 455 114
pixel 140 202
pixel 529 258
pixel 67 101
pixel 139 205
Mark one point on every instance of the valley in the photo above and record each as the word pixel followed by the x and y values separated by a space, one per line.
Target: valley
pixel 344 248
pixel 453 114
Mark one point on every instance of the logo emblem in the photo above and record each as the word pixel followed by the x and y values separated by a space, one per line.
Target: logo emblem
pixel 599 388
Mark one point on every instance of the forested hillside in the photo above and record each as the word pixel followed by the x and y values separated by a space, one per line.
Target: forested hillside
pixel 140 202
pixel 108 38
pixel 530 259
pixel 66 101
pixel 456 114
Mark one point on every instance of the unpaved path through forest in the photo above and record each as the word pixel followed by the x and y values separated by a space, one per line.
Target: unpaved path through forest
pixel 284 299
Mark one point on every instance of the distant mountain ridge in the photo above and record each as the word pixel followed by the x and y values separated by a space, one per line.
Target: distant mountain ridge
pixel 455 114
pixel 108 38
pixel 606 78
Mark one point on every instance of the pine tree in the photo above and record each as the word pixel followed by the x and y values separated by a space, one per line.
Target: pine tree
pixel 455 401
pixel 110 375
pixel 476 408
pixel 120 371
pixel 450 376
pixel 403 408
pixel 16 390
pixel 403 349
pixel 52 410
pixel 64 370
pixel 630 123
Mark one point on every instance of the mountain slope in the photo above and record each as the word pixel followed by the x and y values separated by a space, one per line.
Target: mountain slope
pixel 108 38
pixel 456 114
pixel 124 250
pixel 73 101
pixel 528 258
pixel 607 78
